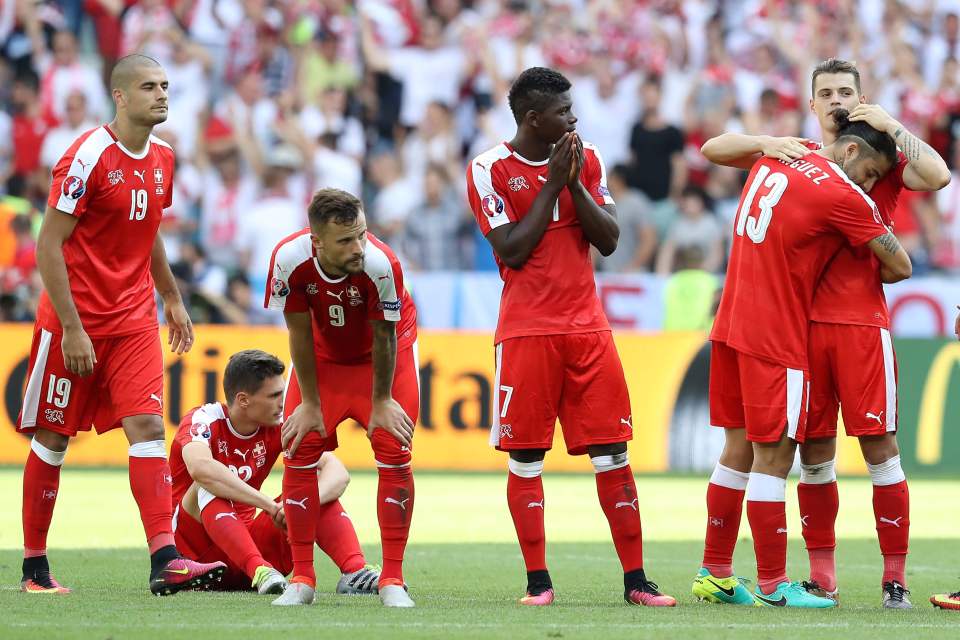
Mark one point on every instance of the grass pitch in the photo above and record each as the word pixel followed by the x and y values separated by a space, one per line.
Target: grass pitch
pixel 465 571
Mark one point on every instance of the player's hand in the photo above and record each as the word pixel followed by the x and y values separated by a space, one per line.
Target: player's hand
pixel 578 160
pixel 179 327
pixel 560 164
pixel 279 518
pixel 390 416
pixel 956 324
pixel 786 148
pixel 303 420
pixel 78 355
pixel 874 115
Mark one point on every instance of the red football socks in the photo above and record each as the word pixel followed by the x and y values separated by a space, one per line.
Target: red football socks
pixel 231 535
pixel 617 491
pixel 724 510
pixel 41 483
pixel 152 488
pixel 337 537
pixel 525 499
pixel 819 505
pixel 301 499
pixel 767 513
pixel 891 508
pixel 394 510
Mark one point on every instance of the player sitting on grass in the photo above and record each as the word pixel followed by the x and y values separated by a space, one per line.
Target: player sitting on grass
pixel 220 457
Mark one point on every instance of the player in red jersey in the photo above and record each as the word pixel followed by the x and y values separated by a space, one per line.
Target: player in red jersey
pixel 353 331
pixel 96 359
pixel 849 317
pixel 793 219
pixel 220 458
pixel 541 200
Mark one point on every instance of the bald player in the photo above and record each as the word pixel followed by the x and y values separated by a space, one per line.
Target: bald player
pixel 96 359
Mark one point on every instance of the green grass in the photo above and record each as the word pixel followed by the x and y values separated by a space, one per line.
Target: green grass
pixel 465 570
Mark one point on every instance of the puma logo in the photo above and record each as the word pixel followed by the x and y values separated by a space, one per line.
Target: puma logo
pixel 895 522
pixel 781 530
pixel 875 416
pixel 338 296
pixel 632 504
pixel 139 174
pixel 400 503
pixel 242 454
pixel 534 505
pixel 226 514
pixel 803 520
pixel 154 396
pixel 627 421
pixel 300 503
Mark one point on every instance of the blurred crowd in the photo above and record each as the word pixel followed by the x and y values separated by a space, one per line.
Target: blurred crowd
pixel 389 99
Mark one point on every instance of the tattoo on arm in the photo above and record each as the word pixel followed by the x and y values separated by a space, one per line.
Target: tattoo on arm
pixel 911 145
pixel 888 242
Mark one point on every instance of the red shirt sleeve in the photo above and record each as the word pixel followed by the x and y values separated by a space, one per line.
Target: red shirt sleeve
pixel 594 175
pixel 71 184
pixel 384 284
pixel 857 218
pixel 283 293
pixel 490 208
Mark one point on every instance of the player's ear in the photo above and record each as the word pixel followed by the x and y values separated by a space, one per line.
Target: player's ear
pixel 242 399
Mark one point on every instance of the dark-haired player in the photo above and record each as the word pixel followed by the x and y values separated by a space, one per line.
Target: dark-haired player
pixel 220 457
pixel 353 331
pixel 852 361
pixel 792 219
pixel 96 359
pixel 541 200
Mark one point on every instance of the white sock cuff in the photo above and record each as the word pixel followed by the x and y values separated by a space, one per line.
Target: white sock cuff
pixel 886 473
pixel 602 464
pixel 152 449
pixel 384 465
pixel 729 478
pixel 525 469
pixel 51 457
pixel 764 488
pixel 823 473
pixel 204 498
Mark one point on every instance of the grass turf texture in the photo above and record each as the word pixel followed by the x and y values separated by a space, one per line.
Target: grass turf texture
pixel 465 571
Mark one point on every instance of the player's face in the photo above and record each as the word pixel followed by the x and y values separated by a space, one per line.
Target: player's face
pixel 341 246
pixel 833 91
pixel 864 169
pixel 145 99
pixel 266 405
pixel 557 119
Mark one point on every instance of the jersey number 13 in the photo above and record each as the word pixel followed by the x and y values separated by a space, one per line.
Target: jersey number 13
pixel 756 225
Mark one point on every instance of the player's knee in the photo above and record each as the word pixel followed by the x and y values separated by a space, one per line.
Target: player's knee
pixel 53 457
pixel 822 473
pixel 388 451
pixel 887 472
pixel 528 455
pixel 613 449
pixel 604 463
pixel 879 449
pixel 525 469
pixel 814 452
pixel 143 429
pixel 52 441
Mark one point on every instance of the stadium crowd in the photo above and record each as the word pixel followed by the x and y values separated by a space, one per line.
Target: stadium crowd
pixel 389 99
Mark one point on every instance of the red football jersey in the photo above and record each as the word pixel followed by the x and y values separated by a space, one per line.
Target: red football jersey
pixel 555 291
pixel 850 291
pixel 341 308
pixel 792 219
pixel 118 198
pixel 250 457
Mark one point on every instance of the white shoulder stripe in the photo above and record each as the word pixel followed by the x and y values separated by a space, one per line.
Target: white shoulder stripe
pixel 376 264
pixel 208 414
pixel 155 140
pixel 87 156
pixel 480 169
pixel 291 254
pixel 837 170
pixel 607 199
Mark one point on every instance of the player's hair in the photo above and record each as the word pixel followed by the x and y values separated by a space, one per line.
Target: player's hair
pixel 333 205
pixel 534 90
pixel 835 65
pixel 871 141
pixel 124 71
pixel 247 370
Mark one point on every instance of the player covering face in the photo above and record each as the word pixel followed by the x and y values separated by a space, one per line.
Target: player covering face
pixel 220 458
pixel 96 359
pixel 353 334
pixel 852 361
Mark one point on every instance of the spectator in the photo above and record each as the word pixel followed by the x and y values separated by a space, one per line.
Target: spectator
pixel 63 73
pixel 322 69
pixel 695 227
pixel 59 139
pixel 440 236
pixel 149 27
pixel 691 294
pixel 396 197
pixel 30 125
pixel 638 239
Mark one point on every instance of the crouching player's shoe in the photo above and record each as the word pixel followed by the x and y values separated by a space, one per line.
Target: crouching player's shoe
pixel 647 594
pixel 183 573
pixel 37 579
pixel 268 580
pixel 792 594
pixel 946 600
pixel 729 590
pixel 394 594
pixel 539 589
pixel 361 582
pixel 296 593
pixel 895 596
pixel 538 599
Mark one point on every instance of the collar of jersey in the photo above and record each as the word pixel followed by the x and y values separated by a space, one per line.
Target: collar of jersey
pixel 240 435
pixel 325 277
pixel 135 156
pixel 524 160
